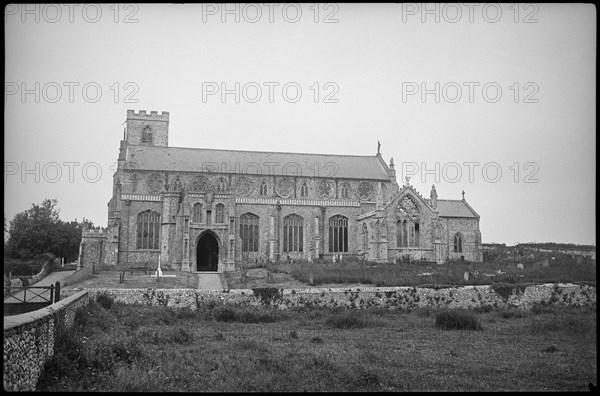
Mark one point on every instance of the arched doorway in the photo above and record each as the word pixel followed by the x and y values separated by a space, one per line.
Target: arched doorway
pixel 207 253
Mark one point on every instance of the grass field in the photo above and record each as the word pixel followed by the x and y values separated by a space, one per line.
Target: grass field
pixel 218 348
pixel 562 268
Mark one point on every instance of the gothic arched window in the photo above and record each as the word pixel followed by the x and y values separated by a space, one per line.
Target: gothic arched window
pixel 338 234
pixel 219 215
pixel 147 135
pixel 458 243
pixel 197 213
pixel 345 191
pixel 249 232
pixel 263 188
pixel 293 233
pixel 221 185
pixel 177 185
pixel 304 190
pixel 148 230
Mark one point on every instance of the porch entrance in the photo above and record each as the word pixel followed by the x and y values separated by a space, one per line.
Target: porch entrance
pixel 207 253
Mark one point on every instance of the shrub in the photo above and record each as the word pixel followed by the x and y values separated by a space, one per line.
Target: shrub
pixel 246 315
pixel 104 300
pixel 353 320
pixel 23 267
pixel 457 320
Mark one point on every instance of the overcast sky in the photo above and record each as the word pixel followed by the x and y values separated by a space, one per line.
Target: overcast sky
pixel 495 100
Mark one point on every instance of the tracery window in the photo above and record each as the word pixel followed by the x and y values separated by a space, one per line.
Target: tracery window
pixel 304 190
pixel 338 234
pixel 148 230
pixel 263 188
pixel 344 192
pixel 249 232
pixel 407 233
pixel 293 233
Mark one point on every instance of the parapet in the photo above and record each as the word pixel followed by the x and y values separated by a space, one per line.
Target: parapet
pixel 94 233
pixel 163 116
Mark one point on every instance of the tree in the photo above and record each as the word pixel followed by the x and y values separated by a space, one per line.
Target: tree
pixel 39 230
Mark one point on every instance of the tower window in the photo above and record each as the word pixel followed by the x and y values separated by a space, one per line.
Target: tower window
pixel 147 135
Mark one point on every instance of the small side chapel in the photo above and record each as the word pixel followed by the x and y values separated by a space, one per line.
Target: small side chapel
pixel 202 210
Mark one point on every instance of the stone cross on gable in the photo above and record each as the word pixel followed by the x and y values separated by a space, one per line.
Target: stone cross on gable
pixel 463 194
pixel 407 178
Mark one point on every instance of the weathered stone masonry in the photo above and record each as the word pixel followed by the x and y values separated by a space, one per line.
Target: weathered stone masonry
pixel 382 297
pixel 29 340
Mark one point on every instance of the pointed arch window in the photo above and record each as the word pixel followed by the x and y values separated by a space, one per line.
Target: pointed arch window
pixel 147 135
pixel 263 188
pixel 345 191
pixel 249 232
pixel 197 213
pixel 458 243
pixel 304 190
pixel 219 216
pixel 148 230
pixel 338 234
pixel 177 185
pixel 293 233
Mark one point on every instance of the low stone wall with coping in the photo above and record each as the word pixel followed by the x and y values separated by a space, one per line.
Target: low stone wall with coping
pixel 497 296
pixel 29 340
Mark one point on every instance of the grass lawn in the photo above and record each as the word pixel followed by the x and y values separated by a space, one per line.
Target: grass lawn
pixel 138 280
pixel 222 348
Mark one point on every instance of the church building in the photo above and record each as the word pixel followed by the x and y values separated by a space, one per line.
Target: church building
pixel 200 209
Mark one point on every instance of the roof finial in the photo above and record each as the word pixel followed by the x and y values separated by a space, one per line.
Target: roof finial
pixel 392 162
pixel 407 178
pixel 378 147
pixel 463 194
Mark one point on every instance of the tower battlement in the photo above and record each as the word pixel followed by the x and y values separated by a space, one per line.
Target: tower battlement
pixel 141 114
pixel 151 129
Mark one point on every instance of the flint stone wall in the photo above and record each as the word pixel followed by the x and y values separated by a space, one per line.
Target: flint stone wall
pixel 29 340
pixel 523 297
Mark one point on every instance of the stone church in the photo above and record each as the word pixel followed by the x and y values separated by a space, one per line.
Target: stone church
pixel 207 210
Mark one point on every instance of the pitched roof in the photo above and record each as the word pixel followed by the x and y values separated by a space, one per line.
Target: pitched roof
pixel 455 208
pixel 254 162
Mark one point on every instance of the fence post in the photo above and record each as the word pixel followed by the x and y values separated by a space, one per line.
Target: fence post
pixel 51 294
pixel 57 292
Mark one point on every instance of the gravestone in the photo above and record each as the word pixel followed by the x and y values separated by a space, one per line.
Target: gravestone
pixel 520 266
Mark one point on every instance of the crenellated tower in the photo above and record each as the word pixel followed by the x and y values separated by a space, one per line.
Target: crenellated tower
pixel 148 129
